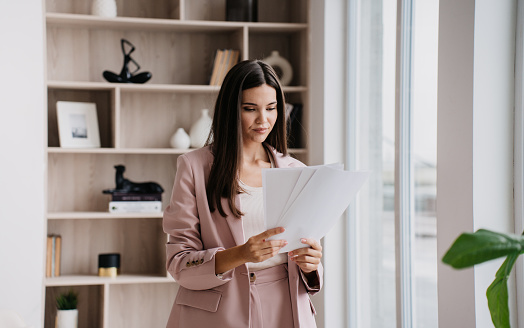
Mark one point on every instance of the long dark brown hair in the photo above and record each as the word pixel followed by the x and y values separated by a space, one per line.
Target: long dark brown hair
pixel 225 137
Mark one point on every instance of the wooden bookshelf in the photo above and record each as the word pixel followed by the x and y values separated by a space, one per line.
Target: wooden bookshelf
pixel 176 41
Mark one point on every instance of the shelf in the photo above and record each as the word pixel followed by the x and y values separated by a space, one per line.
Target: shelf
pixel 86 280
pixel 182 88
pixel 145 24
pixel 138 151
pixel 113 151
pixel 101 215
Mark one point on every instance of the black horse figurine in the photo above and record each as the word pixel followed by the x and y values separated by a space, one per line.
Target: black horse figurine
pixel 124 185
pixel 125 75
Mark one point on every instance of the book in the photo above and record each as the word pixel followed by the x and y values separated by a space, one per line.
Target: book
pixel 49 257
pixel 135 207
pixel 53 259
pixel 224 60
pixel 58 252
pixel 128 197
pixel 216 67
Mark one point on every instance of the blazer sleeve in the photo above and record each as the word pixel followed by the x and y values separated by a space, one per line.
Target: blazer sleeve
pixel 320 276
pixel 187 261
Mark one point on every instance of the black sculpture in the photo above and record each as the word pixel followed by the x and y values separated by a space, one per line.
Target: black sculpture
pixel 124 185
pixel 125 75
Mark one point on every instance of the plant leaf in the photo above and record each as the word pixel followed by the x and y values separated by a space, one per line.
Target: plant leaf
pixel 483 245
pixel 497 293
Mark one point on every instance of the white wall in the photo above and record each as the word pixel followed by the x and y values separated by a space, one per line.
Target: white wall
pixel 475 108
pixel 22 159
pixel 493 102
pixel 328 85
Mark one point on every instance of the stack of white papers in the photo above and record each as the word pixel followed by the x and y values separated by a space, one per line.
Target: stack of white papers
pixel 307 201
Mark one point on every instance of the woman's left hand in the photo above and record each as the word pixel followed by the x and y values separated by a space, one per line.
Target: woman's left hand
pixel 307 258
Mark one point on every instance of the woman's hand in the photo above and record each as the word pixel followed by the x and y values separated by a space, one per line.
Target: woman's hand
pixel 258 248
pixel 307 258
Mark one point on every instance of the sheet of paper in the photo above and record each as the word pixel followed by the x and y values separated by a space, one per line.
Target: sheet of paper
pixel 318 205
pixel 286 180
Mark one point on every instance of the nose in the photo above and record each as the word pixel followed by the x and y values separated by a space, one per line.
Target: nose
pixel 261 117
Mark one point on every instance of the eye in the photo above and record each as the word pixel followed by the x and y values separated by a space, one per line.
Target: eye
pixel 271 108
pixel 248 109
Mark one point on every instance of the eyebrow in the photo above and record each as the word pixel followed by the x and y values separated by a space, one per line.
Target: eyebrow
pixel 253 104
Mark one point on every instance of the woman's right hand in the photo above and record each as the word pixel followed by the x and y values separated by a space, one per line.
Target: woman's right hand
pixel 258 248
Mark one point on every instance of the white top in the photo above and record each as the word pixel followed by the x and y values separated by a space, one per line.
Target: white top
pixel 252 205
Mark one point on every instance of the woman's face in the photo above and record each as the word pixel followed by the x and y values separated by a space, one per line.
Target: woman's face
pixel 258 113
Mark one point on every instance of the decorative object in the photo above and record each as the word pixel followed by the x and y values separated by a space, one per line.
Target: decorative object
pixel 67 312
pixel 242 10
pixel 77 124
pixel 180 139
pixel 103 8
pixel 124 185
pixel 485 245
pixel 200 130
pixel 125 75
pixel 109 265
pixel 281 66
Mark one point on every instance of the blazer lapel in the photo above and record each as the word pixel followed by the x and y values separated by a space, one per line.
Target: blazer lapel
pixel 235 224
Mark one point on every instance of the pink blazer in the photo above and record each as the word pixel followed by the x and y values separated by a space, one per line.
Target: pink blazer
pixel 195 235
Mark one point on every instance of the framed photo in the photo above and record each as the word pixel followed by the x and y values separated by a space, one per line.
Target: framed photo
pixel 77 124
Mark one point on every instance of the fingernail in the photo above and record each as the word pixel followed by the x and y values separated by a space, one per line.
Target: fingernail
pixel 290 253
pixel 285 242
pixel 303 240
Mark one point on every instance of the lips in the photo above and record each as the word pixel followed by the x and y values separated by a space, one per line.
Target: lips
pixel 261 130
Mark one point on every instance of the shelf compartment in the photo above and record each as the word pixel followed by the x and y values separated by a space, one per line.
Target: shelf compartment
pixel 140 243
pixel 172 57
pixel 291 46
pixel 103 98
pixel 158 297
pixel 90 307
pixel 76 180
pixel 92 280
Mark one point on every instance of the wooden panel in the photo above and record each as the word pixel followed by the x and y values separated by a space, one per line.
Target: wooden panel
pixel 211 10
pixel 90 311
pixel 104 109
pixel 159 299
pixel 125 8
pixel 149 120
pixel 282 11
pixel 76 181
pixel 140 242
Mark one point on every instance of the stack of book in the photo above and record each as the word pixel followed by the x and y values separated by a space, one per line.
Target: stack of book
pixel 135 203
pixel 224 60
pixel 54 249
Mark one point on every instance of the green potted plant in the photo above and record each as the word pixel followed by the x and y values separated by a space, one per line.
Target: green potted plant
pixel 485 245
pixel 67 312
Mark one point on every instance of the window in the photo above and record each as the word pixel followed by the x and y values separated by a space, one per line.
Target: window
pixel 375 144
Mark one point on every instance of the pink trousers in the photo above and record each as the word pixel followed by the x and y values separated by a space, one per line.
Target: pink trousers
pixel 270 300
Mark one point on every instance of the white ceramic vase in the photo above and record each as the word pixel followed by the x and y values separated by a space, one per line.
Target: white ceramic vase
pixel 103 8
pixel 180 139
pixel 66 319
pixel 275 60
pixel 200 130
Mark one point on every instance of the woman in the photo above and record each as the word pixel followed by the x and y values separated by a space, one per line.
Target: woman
pixel 229 274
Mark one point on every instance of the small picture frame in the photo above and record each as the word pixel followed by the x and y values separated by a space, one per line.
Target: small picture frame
pixel 77 124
